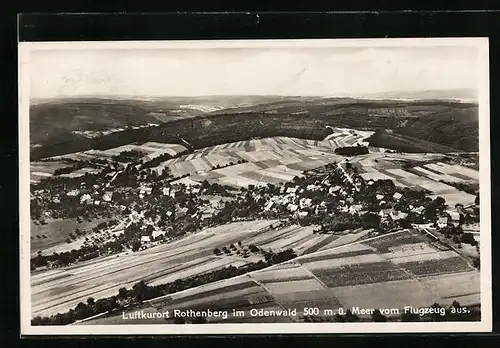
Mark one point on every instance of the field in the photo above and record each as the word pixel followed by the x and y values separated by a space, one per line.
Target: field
pixel 341 137
pixel 427 176
pixel 56 232
pixel 271 160
pixel 409 143
pixel 41 170
pixel 150 150
pixel 280 159
pixel 61 289
pixel 240 293
pixel 380 272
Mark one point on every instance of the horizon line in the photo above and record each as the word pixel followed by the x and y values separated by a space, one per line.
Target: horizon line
pixel 386 94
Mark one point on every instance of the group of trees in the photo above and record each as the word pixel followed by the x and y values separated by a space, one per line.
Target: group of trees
pixel 229 250
pixel 351 150
pixel 218 166
pixel 458 235
pixel 65 258
pixel 141 291
pixel 215 189
pixel 162 158
pixel 128 156
pixel 462 186
pixel 76 165
pixel 81 311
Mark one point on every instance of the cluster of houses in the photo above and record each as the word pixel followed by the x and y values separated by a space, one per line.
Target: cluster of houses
pixel 85 198
pixel 94 199
pixel 296 199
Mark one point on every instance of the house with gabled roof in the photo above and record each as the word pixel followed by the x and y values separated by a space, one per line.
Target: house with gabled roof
pixel 397 215
pixel 397 196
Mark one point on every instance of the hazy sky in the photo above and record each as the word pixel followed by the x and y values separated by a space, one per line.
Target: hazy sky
pixel 252 71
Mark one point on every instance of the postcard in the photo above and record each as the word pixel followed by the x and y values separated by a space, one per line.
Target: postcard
pixel 255 186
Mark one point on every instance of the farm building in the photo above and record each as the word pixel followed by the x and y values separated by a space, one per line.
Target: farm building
pixel 356 208
pixel 302 214
pixel 397 196
pixel 418 209
pixel 398 215
pixel 321 209
pixel 305 202
pixel 182 212
pixel 312 187
pixel 334 189
pixel 454 217
pixel 156 234
pixel 385 213
pixel 379 197
pixel 73 193
pixel 107 196
pixel 269 205
pixel 442 221
pixel 84 198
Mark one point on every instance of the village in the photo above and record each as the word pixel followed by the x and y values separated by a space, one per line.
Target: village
pixel 140 208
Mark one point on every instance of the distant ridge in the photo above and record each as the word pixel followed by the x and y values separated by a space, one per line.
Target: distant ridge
pixel 462 94
pixel 459 94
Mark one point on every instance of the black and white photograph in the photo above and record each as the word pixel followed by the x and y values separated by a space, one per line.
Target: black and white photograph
pixel 255 186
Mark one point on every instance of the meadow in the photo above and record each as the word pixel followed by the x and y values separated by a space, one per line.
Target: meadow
pixel 371 273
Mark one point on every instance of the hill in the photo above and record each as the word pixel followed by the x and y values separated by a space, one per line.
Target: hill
pixel 457 128
pixel 293 117
pixel 64 120
pixel 462 94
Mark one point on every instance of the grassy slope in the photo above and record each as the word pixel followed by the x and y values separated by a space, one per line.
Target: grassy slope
pixel 457 128
pixel 57 231
pixel 406 143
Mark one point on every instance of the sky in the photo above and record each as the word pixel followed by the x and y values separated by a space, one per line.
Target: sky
pixel 317 71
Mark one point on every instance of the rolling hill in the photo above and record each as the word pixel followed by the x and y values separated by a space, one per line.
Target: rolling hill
pixel 55 121
pixel 456 128
pixel 434 122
